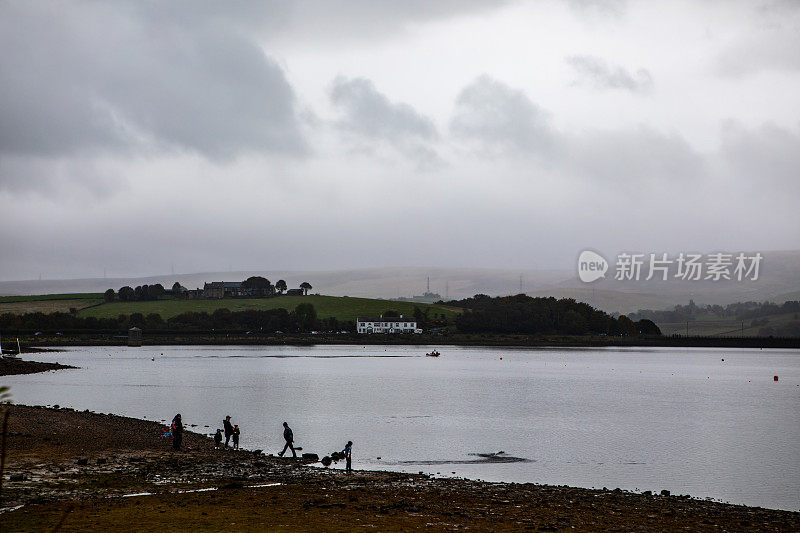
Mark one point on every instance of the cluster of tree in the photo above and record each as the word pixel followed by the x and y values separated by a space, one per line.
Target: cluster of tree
pixel 738 310
pixel 302 319
pixel 523 314
pixel 139 294
pixel 254 286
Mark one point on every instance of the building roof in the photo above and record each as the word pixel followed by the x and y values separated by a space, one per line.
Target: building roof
pixel 223 284
pixel 386 319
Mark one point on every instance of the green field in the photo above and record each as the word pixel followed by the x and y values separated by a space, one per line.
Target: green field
pixel 43 297
pixel 343 308
pixel 48 303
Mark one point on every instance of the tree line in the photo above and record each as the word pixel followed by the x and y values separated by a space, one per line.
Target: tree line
pixel 738 310
pixel 254 285
pixel 522 314
pixel 302 319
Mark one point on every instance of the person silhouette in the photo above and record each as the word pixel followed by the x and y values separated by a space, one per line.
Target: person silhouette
pixel 288 436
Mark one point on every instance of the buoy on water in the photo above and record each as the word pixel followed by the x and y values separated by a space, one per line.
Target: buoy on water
pixel 774 378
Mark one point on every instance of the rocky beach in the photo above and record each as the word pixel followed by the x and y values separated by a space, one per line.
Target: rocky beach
pixel 81 471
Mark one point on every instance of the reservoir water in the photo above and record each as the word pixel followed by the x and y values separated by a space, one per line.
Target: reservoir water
pixel 705 422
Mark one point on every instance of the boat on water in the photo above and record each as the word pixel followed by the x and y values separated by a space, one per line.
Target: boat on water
pixel 434 353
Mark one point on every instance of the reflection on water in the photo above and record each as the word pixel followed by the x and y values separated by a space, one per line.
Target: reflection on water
pixel 499 457
pixel 707 422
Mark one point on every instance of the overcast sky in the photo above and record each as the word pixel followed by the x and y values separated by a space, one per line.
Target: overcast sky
pixel 324 135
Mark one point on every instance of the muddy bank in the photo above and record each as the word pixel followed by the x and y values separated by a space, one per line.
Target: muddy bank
pixel 10 366
pixel 102 472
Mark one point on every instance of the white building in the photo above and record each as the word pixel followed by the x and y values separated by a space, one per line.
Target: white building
pixel 390 324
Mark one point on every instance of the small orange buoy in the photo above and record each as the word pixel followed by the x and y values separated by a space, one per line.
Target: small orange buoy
pixel 774 378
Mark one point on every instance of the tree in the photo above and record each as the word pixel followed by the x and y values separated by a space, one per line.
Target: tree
pixel 258 285
pixel 126 294
pixel 306 286
pixel 280 286
pixel 647 327
pixel 108 296
pixel 176 288
pixel 306 316
pixel 156 291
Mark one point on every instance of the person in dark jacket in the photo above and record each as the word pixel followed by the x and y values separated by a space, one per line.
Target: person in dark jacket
pixel 177 432
pixel 288 436
pixel 236 437
pixel 218 439
pixel 226 424
pixel 348 450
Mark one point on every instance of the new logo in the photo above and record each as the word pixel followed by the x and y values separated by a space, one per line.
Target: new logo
pixel 591 266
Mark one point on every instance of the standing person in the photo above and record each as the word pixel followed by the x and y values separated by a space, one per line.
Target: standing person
pixel 177 432
pixel 236 437
pixel 348 450
pixel 218 439
pixel 289 438
pixel 228 429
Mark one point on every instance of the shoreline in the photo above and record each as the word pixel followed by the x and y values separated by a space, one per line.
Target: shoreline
pixel 13 366
pixel 67 464
pixel 44 343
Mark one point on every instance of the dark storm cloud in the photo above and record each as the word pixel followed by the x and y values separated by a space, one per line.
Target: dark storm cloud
pixel 88 78
pixel 498 119
pixel 598 73
pixel 372 118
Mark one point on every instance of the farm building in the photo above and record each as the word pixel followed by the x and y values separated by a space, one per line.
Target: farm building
pixel 390 324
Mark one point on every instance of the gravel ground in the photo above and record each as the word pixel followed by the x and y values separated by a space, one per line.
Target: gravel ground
pixel 82 471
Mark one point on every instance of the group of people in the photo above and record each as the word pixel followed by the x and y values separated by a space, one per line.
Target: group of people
pixel 232 431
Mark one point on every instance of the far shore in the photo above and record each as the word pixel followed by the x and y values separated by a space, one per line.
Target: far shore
pixel 80 470
pixel 49 341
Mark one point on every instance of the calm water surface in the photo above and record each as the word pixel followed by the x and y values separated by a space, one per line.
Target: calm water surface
pixel 646 419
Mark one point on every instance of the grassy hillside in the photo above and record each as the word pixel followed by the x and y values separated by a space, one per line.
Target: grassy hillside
pixel 343 308
pixel 48 303
pixel 42 297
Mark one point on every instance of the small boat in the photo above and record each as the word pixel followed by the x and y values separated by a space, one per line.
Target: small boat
pixel 434 353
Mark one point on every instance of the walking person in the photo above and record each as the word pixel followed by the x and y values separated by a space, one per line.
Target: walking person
pixel 236 437
pixel 348 450
pixel 226 424
pixel 177 432
pixel 288 436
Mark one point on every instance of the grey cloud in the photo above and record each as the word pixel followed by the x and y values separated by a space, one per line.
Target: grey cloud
pixel 372 118
pixel 494 119
pixel 58 178
pixel 771 44
pixel 597 72
pixel 638 156
pixel 606 7
pixel 763 158
pixel 100 78
pixel 499 119
pixel 359 20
